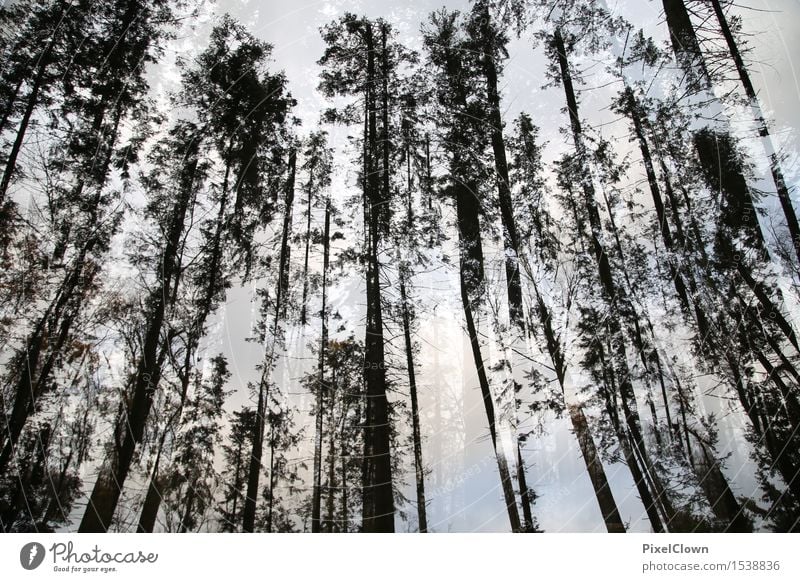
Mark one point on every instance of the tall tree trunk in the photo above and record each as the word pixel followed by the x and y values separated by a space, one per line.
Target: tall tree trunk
pixel 510 236
pixel 237 480
pixel 763 129
pixel 271 484
pixel 152 500
pixel 254 464
pixel 613 298
pixel 344 526
pixel 419 468
pixel 316 502
pixel 9 108
pixel 511 244
pixel 130 427
pixel 154 496
pixel 303 307
pixel 254 470
pixel 404 273
pixel 471 281
pixel 188 508
pixel 597 474
pixel 377 488
pixel 330 498
pixel 57 318
pixel 640 481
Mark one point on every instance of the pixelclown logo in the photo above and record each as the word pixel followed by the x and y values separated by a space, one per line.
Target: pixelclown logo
pixel 31 555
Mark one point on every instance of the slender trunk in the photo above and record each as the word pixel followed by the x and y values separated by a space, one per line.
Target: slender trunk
pixel 404 272
pixel 428 177
pixel 419 468
pixel 676 272
pixel 471 280
pixel 495 122
pixel 303 307
pixel 152 500
pixel 645 349
pixel 642 486
pixel 525 494
pixel 154 496
pixel 254 470
pixel 271 484
pixel 9 108
pixel 597 474
pixel 237 482
pixel 316 503
pixel 386 143
pixel 188 509
pixel 330 498
pixel 511 245
pixel 613 295
pixel 763 129
pixel 344 525
pixel 287 231
pixel 254 465
pixel 110 481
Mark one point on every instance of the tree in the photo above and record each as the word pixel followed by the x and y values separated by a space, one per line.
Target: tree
pixel 238 74
pixel 461 136
pixel 407 317
pixel 183 148
pixel 192 478
pixel 339 403
pixel 526 166
pixel 353 66
pixel 274 309
pixel 318 168
pixel 110 73
pixel 234 474
pixel 761 124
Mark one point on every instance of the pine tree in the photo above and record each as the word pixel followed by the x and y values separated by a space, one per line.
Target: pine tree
pixel 184 148
pixel 109 70
pixel 409 234
pixel 605 344
pixel 356 63
pixel 461 135
pixel 526 166
pixel 192 478
pixel 274 310
pixel 235 452
pixel 239 73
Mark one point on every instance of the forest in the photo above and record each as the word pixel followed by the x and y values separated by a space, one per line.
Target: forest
pixel 502 265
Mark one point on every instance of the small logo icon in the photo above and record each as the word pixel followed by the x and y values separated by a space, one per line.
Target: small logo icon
pixel 31 555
